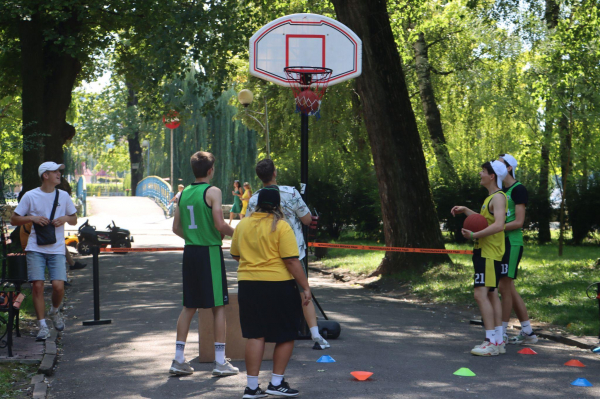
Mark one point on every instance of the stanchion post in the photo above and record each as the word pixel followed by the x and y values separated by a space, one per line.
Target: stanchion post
pixel 96 281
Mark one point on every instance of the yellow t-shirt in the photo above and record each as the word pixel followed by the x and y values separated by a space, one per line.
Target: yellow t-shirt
pixel 492 247
pixel 261 250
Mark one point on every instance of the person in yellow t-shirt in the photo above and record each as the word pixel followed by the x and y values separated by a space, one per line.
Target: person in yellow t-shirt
pixel 270 305
pixel 245 198
pixel 487 256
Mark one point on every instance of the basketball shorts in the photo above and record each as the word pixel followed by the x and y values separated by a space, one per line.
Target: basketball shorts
pixel 512 258
pixel 204 277
pixel 487 271
pixel 270 309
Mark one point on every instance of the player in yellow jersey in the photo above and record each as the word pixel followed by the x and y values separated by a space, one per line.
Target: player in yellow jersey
pixel 487 256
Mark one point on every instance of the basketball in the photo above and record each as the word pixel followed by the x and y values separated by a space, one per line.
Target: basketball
pixel 475 223
pixel 308 102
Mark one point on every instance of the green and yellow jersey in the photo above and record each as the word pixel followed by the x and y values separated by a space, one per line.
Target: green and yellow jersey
pixel 492 247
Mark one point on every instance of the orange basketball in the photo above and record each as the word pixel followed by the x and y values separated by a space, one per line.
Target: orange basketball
pixel 475 223
pixel 308 102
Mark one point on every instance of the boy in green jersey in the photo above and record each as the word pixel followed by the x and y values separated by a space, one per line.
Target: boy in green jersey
pixel 487 256
pixel 517 201
pixel 199 220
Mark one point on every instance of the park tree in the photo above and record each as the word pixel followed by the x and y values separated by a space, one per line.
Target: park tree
pixel 409 217
pixel 49 46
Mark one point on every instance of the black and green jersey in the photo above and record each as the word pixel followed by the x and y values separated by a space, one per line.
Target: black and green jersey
pixel 516 194
pixel 196 217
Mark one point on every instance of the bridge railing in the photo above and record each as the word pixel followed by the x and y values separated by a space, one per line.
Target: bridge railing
pixel 155 187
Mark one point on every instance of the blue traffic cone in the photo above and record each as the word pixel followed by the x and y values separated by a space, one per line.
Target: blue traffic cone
pixel 326 359
pixel 581 382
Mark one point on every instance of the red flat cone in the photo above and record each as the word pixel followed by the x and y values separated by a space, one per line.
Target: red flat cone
pixel 574 363
pixel 527 351
pixel 361 375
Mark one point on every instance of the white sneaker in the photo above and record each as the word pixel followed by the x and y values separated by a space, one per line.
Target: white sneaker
pixel 485 349
pixel 58 320
pixel 181 368
pixel 501 348
pixel 43 334
pixel 225 368
pixel 523 338
pixel 321 342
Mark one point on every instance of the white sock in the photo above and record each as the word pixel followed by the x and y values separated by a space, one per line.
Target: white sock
pixel 276 379
pixel 220 353
pixel 179 349
pixel 53 309
pixel 42 323
pixel 489 335
pixel 314 332
pixel 504 327
pixel 526 327
pixel 252 381
pixel 498 331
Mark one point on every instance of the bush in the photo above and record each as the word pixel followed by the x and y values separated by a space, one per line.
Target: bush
pixel 583 205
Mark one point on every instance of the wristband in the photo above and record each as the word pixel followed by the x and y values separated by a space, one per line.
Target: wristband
pixel 471 235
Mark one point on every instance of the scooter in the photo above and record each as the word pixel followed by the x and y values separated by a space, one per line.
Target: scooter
pixel 116 237
pixel 72 240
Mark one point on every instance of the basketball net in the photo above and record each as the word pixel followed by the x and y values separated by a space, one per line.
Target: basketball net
pixel 315 79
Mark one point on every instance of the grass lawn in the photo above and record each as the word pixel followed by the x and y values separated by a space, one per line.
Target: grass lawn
pixel 553 288
pixel 14 379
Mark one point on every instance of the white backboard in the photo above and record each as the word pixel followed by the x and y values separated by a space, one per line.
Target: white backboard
pixel 309 40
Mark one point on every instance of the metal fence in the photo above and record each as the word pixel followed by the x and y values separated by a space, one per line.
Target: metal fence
pixel 155 187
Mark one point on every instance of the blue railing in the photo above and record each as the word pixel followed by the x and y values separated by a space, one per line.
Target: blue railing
pixel 155 187
pixel 82 194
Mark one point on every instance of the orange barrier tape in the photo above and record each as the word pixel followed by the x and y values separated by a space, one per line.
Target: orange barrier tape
pixel 125 250
pixel 392 249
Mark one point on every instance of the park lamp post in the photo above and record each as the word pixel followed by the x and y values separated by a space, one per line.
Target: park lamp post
pixel 245 97
pixel 146 145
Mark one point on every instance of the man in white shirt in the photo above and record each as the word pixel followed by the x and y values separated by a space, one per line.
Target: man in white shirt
pixel 36 207
pixel 296 213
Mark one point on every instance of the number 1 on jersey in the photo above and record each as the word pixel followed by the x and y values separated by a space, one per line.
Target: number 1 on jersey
pixel 192 221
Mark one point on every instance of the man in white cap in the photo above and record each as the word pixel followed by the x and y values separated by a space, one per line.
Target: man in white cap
pixel 48 208
pixel 487 256
pixel 517 196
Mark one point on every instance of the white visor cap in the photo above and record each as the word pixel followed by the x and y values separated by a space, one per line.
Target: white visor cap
pixel 512 162
pixel 500 171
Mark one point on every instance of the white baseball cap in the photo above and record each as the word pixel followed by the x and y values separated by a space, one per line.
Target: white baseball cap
pixel 500 171
pixel 49 167
pixel 511 161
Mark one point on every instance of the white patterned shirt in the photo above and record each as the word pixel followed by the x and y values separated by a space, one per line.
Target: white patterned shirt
pixel 293 208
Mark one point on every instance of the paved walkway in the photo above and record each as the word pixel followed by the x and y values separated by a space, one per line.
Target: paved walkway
pixel 412 351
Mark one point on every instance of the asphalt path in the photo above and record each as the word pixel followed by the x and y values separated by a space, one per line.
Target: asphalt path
pixel 413 350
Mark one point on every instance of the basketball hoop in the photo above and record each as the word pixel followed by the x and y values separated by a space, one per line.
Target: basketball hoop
pixel 309 85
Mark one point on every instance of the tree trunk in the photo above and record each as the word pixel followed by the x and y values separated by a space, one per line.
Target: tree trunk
pixel 542 189
pixel 551 18
pixel 48 78
pixel 409 216
pixel 135 149
pixel 431 111
pixel 564 124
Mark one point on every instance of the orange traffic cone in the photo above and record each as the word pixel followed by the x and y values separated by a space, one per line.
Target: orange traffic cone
pixel 574 363
pixel 527 351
